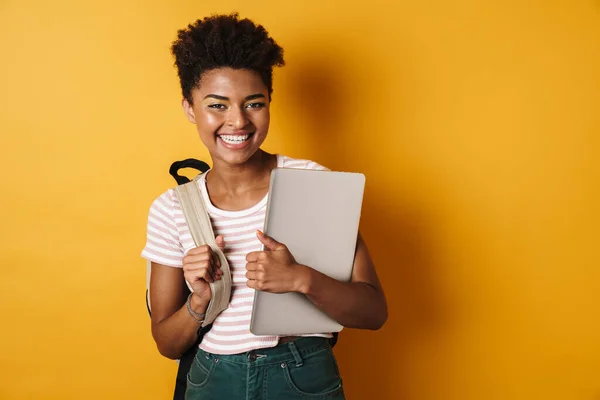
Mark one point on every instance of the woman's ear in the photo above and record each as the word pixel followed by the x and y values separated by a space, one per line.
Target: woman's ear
pixel 189 111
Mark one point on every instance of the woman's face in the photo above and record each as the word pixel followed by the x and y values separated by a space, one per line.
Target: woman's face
pixel 231 113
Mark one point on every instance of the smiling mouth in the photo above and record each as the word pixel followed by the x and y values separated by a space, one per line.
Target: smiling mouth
pixel 235 139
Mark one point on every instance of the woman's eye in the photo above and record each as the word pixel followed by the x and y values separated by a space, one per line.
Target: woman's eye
pixel 217 106
pixel 255 105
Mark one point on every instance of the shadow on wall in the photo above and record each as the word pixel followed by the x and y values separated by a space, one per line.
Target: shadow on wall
pixel 374 365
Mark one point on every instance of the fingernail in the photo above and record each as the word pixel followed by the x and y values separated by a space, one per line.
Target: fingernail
pixel 260 233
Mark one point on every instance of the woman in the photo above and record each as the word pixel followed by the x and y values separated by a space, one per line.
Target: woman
pixel 225 66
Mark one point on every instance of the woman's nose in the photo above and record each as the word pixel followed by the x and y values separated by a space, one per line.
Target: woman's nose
pixel 237 118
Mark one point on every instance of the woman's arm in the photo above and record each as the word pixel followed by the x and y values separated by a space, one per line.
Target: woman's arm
pixel 357 304
pixel 173 328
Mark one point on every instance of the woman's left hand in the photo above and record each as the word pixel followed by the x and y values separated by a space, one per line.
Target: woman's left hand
pixel 274 270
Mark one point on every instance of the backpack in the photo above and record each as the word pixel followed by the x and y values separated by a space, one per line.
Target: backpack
pixel 185 362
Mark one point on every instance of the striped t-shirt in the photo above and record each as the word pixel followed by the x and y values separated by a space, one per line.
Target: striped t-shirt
pixel 169 240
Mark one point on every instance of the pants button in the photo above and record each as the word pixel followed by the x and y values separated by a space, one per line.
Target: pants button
pixel 252 356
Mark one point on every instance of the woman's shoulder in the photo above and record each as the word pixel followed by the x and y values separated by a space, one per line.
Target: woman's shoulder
pixel 166 203
pixel 299 163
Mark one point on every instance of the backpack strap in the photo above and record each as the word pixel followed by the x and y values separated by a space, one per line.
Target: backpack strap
pixel 198 220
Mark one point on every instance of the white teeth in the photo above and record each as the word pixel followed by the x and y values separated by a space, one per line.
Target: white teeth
pixel 234 139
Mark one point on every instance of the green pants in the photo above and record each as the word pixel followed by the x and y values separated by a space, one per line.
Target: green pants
pixel 301 369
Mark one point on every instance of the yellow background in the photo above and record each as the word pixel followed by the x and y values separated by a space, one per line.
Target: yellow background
pixel 475 122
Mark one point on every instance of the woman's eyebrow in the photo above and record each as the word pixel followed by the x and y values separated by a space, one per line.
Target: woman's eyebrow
pixel 255 96
pixel 216 96
pixel 219 97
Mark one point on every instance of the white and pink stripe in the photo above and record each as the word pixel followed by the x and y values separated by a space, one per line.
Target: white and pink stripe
pixel 169 239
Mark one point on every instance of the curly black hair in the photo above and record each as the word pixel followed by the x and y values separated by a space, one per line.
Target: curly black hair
pixel 222 41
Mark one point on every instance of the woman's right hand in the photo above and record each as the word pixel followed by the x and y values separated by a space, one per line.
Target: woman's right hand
pixel 201 266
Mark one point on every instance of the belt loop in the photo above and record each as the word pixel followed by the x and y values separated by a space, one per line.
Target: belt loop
pixel 295 353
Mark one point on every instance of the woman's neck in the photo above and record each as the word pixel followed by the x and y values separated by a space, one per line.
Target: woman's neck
pixel 238 179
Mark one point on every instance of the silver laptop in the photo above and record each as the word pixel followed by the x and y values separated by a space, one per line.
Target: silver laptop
pixel 316 214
